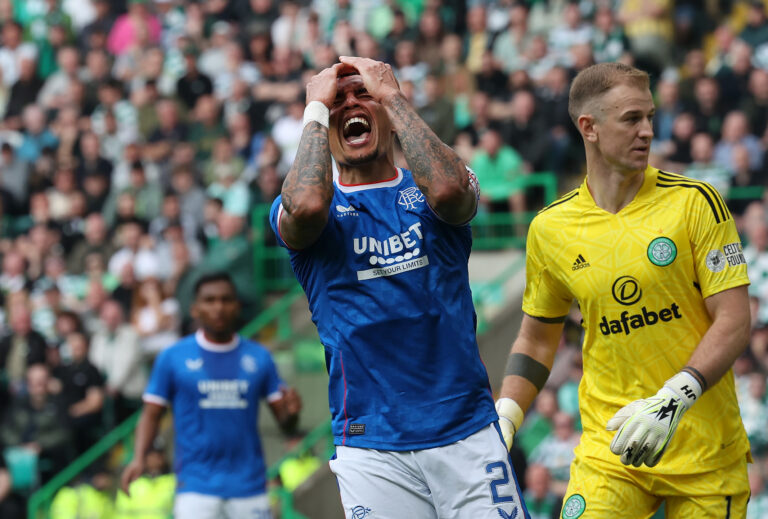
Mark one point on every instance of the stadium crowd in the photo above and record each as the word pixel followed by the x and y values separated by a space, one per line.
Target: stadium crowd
pixel 136 136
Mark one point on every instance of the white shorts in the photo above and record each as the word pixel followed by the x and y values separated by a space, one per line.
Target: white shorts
pixel 190 505
pixel 472 478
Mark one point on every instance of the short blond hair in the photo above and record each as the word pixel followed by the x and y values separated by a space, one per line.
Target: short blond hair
pixel 592 82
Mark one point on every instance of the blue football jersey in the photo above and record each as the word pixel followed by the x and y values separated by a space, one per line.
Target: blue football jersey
pixel 214 393
pixel 388 289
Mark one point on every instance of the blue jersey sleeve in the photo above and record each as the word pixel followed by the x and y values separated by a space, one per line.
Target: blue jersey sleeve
pixel 160 389
pixel 274 219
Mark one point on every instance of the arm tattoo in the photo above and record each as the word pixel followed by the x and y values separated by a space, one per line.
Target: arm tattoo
pixel 310 176
pixel 430 160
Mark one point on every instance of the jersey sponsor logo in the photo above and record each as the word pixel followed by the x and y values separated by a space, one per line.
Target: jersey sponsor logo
pixel 580 263
pixel 626 290
pixel 356 429
pixel 223 394
pixel 662 251
pixel 627 321
pixel 715 260
pixel 734 254
pixel 409 197
pixel 249 364
pixel 360 512
pixel 346 211
pixel 193 364
pixel 574 507
pixel 396 254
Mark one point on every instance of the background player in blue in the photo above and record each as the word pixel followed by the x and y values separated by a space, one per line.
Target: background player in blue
pixel 382 254
pixel 213 381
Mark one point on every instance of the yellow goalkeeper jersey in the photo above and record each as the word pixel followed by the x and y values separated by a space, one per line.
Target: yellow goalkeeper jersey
pixel 640 278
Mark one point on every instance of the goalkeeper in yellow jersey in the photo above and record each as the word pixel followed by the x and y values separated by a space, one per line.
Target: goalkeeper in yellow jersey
pixel 654 261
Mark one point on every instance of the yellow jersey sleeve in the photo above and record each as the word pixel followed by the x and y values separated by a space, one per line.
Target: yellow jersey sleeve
pixel 717 254
pixel 545 294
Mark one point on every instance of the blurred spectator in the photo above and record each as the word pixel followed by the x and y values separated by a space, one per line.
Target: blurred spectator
pixel 14 178
pixel 538 423
pixel 499 170
pixel 707 107
pixel 648 25
pixel 668 108
pixel 755 105
pixel 287 132
pixel 437 112
pixel 99 27
pixel 755 33
pixel 38 421
pixel 555 451
pixel 82 392
pixel 116 352
pixel 36 136
pixel 13 276
pixel 206 128
pixel 539 499
pixel 608 40
pixel 95 241
pixel 703 166
pixel 510 45
pixel 525 130
pixel 135 27
pixel 20 348
pixel 151 495
pixel 55 91
pixel 135 250
pixel 13 51
pixel 754 413
pixel 155 317
pixel 114 116
pixel 735 131
pixel 85 497
pixel 757 507
pixel 193 83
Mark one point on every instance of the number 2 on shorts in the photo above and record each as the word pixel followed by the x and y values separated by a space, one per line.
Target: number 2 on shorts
pixel 503 480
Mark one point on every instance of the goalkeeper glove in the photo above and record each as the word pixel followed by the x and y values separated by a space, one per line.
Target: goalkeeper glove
pixel 646 426
pixel 510 419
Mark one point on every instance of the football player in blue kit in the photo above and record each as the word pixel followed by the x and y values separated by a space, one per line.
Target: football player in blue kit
pixel 382 253
pixel 213 381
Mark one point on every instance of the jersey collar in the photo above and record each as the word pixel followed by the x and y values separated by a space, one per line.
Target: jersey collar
pixel 351 188
pixel 215 346
pixel 646 190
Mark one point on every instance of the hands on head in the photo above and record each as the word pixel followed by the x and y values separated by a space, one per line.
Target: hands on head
pixel 378 79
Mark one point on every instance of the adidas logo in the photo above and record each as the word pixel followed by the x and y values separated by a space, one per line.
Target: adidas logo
pixel 580 263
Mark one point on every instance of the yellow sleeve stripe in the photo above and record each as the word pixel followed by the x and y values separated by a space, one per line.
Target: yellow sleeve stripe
pixel 713 198
pixel 561 200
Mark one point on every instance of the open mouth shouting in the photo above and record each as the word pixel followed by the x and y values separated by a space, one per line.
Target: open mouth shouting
pixel 356 130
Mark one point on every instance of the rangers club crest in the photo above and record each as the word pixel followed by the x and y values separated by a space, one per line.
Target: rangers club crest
pixel 409 197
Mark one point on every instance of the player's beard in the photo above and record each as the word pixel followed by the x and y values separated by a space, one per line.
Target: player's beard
pixel 363 159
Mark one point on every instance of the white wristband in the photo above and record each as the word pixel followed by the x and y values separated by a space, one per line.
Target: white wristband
pixel 316 111
pixel 511 410
pixel 686 386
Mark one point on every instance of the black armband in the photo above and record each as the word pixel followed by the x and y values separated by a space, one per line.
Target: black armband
pixel 527 367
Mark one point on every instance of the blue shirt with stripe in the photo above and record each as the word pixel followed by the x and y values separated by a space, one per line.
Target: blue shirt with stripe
pixel 214 396
pixel 388 289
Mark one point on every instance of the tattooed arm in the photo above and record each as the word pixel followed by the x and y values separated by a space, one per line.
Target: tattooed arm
pixel 439 172
pixel 308 187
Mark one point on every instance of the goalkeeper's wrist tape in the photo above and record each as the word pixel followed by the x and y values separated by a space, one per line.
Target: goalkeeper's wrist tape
pixel 686 386
pixel 510 410
pixel 318 112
